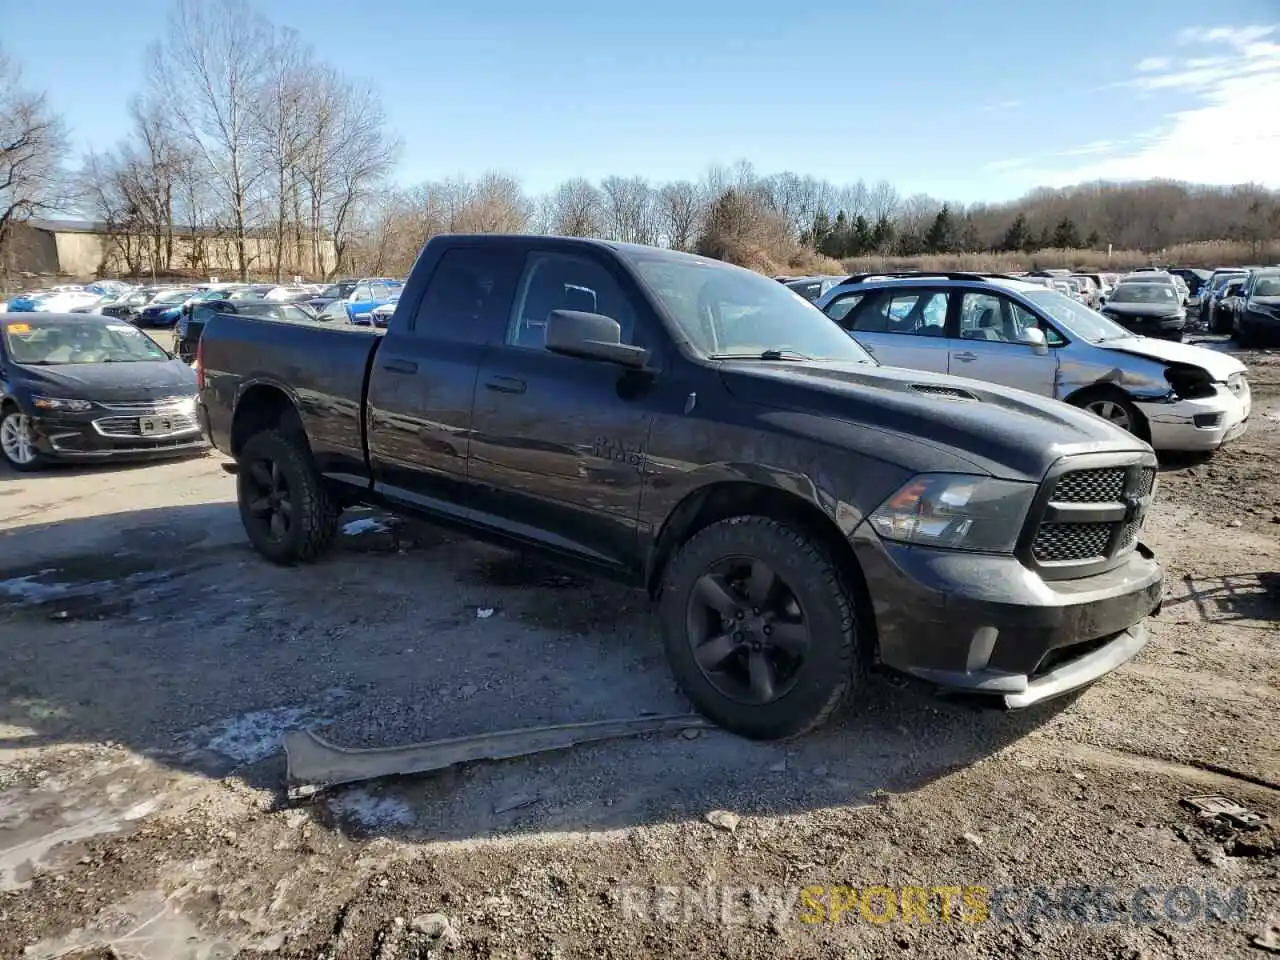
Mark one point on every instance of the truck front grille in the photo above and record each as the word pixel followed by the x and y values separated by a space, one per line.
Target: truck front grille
pixel 1090 517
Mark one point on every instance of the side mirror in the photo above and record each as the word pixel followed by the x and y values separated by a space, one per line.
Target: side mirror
pixel 1034 337
pixel 591 336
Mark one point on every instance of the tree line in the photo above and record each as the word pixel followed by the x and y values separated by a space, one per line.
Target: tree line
pixel 242 131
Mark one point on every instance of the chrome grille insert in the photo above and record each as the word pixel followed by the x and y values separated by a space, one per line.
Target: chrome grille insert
pixel 162 425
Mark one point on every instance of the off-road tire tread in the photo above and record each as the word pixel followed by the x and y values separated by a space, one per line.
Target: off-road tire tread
pixel 738 535
pixel 314 504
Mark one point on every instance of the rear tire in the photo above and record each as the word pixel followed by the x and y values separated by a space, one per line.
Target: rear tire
pixel 287 511
pixel 775 673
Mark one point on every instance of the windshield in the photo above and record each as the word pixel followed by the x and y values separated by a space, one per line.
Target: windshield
pixel 1144 293
pixel 727 311
pixel 1267 287
pixel 174 296
pixel 1221 283
pixel 62 342
pixel 1074 317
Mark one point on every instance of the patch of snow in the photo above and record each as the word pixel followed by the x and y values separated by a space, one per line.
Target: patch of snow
pixel 31 590
pixel 254 736
pixel 363 525
pixel 371 811
pixel 484 613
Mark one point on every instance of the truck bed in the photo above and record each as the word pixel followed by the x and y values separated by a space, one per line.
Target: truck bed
pixel 324 369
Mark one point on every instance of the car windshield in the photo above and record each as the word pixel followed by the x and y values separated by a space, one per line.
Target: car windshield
pixel 1144 293
pixel 1221 283
pixel 337 291
pixel 174 296
pixel 1074 317
pixel 1267 287
pixel 58 342
pixel 727 311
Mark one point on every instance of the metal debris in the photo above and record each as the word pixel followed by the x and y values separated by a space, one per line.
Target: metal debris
pixel 1225 810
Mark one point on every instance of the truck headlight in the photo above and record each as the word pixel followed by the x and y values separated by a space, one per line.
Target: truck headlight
pixel 956 511
pixel 56 403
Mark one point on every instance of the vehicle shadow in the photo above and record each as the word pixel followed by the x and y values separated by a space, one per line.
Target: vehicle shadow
pixel 1244 599
pixel 70 470
pixel 161 631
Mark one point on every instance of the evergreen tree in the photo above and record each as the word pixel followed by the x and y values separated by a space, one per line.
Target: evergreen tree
pixel 1065 235
pixel 1093 241
pixel 821 230
pixel 838 240
pixel 1018 236
pixel 863 241
pixel 940 237
pixel 882 235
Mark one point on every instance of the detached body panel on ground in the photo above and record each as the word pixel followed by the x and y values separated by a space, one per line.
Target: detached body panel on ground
pixel 798 511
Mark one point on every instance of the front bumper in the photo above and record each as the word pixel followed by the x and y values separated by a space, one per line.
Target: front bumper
pixel 100 435
pixel 1198 425
pixel 986 624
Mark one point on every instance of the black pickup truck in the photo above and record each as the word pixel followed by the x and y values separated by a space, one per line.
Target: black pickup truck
pixel 797 511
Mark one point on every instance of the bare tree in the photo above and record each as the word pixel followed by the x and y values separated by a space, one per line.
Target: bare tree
pixel 33 141
pixel 283 130
pixel 884 200
pixel 348 158
pixel 495 204
pixel 629 210
pixel 210 72
pixel 679 209
pixel 576 209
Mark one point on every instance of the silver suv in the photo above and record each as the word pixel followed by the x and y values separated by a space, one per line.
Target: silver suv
pixel 1003 330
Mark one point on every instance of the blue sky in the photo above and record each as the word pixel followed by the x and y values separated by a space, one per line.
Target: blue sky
pixel 963 101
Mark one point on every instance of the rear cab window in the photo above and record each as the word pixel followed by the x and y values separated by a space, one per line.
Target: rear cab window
pixel 468 298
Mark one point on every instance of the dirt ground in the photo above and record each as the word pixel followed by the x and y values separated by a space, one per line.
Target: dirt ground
pixel 151 661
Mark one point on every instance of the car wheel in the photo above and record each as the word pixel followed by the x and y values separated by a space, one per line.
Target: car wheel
pixel 18 442
pixel 760 629
pixel 1116 408
pixel 288 513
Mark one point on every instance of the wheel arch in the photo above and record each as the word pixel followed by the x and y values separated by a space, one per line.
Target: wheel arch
pixel 733 498
pixel 265 406
pixel 1104 389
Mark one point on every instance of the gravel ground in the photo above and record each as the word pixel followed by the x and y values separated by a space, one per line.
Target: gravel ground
pixel 152 662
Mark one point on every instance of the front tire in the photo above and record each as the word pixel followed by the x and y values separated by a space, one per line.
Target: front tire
pixel 288 513
pixel 760 629
pixel 1115 408
pixel 18 442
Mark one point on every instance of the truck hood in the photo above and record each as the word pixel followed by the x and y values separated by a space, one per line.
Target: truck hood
pixel 1220 366
pixel 1008 433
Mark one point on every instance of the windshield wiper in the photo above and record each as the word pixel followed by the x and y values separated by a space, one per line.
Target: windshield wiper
pixel 766 355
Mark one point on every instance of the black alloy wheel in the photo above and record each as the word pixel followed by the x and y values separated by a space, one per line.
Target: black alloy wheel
pixel 270 502
pixel 747 630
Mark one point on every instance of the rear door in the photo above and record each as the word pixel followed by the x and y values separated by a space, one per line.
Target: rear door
pixel 423 380
pixel 559 449
pixel 990 345
pixel 902 326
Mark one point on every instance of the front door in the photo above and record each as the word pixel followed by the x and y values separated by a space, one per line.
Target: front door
pixel 990 345
pixel 558 453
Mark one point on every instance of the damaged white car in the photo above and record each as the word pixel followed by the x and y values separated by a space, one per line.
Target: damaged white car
pixel 1002 330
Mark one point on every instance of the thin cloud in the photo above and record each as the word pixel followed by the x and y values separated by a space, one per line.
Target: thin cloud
pixel 1011 163
pixel 1000 105
pixel 1228 133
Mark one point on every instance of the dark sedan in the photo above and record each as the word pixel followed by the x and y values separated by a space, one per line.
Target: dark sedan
pixel 88 387
pixel 335 291
pixel 1149 309
pixel 187 334
pixel 1256 309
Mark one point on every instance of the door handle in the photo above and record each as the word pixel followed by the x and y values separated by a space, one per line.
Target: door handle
pixel 964 357
pixel 505 384
pixel 400 366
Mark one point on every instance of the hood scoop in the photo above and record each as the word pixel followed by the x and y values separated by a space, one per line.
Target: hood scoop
pixel 943 392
